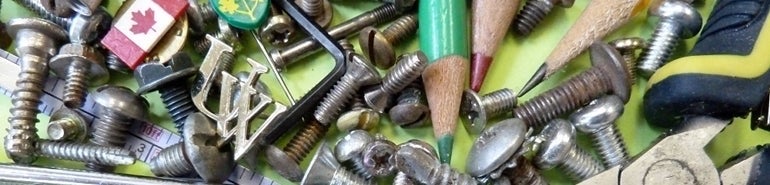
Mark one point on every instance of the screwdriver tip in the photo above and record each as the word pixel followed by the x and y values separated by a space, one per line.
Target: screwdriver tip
pixel 538 77
pixel 479 65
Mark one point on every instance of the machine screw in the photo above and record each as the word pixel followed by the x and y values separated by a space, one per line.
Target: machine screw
pixel 199 14
pixel 676 20
pixel 324 169
pixel 608 74
pixel 408 69
pixel 627 48
pixel 83 152
pixel 278 30
pixel 424 167
pixel 496 149
pixel 85 7
pixel 292 53
pixel 477 110
pixel 524 173
pixel 378 46
pixel 379 157
pixel 57 8
pixel 67 125
pixel 534 12
pixel 80 66
pixel 286 161
pixel 320 10
pixel 349 149
pixel 401 177
pixel 113 62
pixel 411 109
pixel 597 119
pixel 225 34
pixel 359 117
pixel 89 28
pixel 169 79
pixel 117 108
pixel 557 146
pixel 38 8
pixel 197 153
pixel 34 54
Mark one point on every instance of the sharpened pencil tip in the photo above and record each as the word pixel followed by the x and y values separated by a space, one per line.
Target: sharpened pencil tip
pixel 479 66
pixel 538 77
pixel 445 144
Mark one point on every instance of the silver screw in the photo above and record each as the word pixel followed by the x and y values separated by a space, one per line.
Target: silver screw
pixel 349 149
pixel 278 30
pixel 225 34
pixel 496 149
pixel 533 12
pixel 225 64
pixel 677 20
pixel 425 168
pixel 524 173
pixel 597 119
pixel 408 69
pixel 117 108
pixel 403 178
pixel 378 157
pixel 34 54
pixel 359 117
pixel 557 146
pixel 169 79
pixel 477 110
pixel 80 66
pixel 39 9
pixel 378 46
pixel 411 109
pixel 67 125
pixel 198 152
pixel 292 53
pixel 320 10
pixel 627 48
pixel 83 152
pixel 58 8
pixel 113 62
pixel 324 169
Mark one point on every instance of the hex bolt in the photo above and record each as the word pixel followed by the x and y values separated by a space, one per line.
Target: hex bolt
pixel 524 173
pixel 225 33
pixel 608 75
pixel 424 167
pixel 557 147
pixel 411 109
pixel 320 10
pixel 84 152
pixel 359 117
pixel 358 73
pixel 292 53
pixel 476 110
pixel 349 151
pixel 627 48
pixel 379 157
pixel 38 8
pixel 378 46
pixel 533 12
pixel 80 66
pixel 67 125
pixel 36 41
pixel 170 80
pixel 408 69
pixel 117 109
pixel 324 169
pixel 597 120
pixel 198 153
pixel 199 14
pixel 676 20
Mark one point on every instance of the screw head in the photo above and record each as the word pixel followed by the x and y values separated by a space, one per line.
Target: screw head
pixel 86 29
pixel 607 59
pixel 364 119
pixel 361 70
pixel 350 147
pixel 474 114
pixel 495 146
pixel 628 44
pixel 378 157
pixel 377 48
pixel 409 115
pixel 122 100
pixel 283 164
pixel 152 76
pixel 416 162
pixel 682 12
pixel 58 132
pixel 75 52
pixel 559 139
pixel 212 163
pixel 377 99
pixel 47 35
pixel 278 30
pixel 322 168
pixel 598 114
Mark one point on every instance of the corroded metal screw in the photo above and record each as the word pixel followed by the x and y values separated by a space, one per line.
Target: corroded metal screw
pixel 36 41
pixel 83 152
pixel 117 109
pixel 627 48
pixel 425 168
pixel 378 46
pixel 67 125
pixel 411 109
pixel 401 177
pixel 597 119
pixel 677 20
pixel 608 74
pixel 320 10
pixel 557 146
pixel 477 110
pixel 534 12
pixel 359 117
pixel 524 173
pixel 408 69
pixel 80 66
pixel 170 80
pixel 324 169
pixel 349 149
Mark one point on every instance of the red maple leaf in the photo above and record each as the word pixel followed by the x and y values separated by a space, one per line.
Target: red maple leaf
pixel 144 21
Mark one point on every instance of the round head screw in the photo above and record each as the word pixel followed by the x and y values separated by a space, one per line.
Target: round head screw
pixel 80 66
pixel 676 20
pixel 212 163
pixel 122 101
pixel 87 29
pixel 494 149
pixel 378 158
pixel 686 16
pixel 153 76
pixel 278 30
pixel 349 148
pixel 377 47
pixel 477 109
pixel 118 108
pixel 47 36
pixel 608 60
pixel 558 139
pixel 283 163
pixel 597 120
pixel 66 124
pixel 411 110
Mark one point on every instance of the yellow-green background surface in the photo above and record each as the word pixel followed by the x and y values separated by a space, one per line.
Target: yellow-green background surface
pixel 515 62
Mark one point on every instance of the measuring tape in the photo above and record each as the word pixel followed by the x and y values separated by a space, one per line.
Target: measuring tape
pixel 145 139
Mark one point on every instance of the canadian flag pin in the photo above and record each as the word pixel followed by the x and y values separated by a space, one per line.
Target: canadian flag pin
pixel 143 24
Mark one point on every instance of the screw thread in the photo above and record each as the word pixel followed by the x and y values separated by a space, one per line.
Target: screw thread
pixel 401 29
pixel 84 152
pixel 627 48
pixel 347 46
pixel 178 103
pixel 38 9
pixel 630 58
pixel 445 174
pixel 525 173
pixel 382 13
pixel 19 142
pixel 499 102
pixel 110 129
pixel 207 12
pixel 661 44
pixel 575 92
pixel 402 179
pixel 531 15
pixel 610 146
pixel 171 162
pixel 342 177
pixel 579 165
pixel 331 106
pixel 202 45
pixel 76 85
pixel 357 166
pixel 114 63
pixel 301 144
pixel 64 129
pixel 312 8
pixel 408 69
